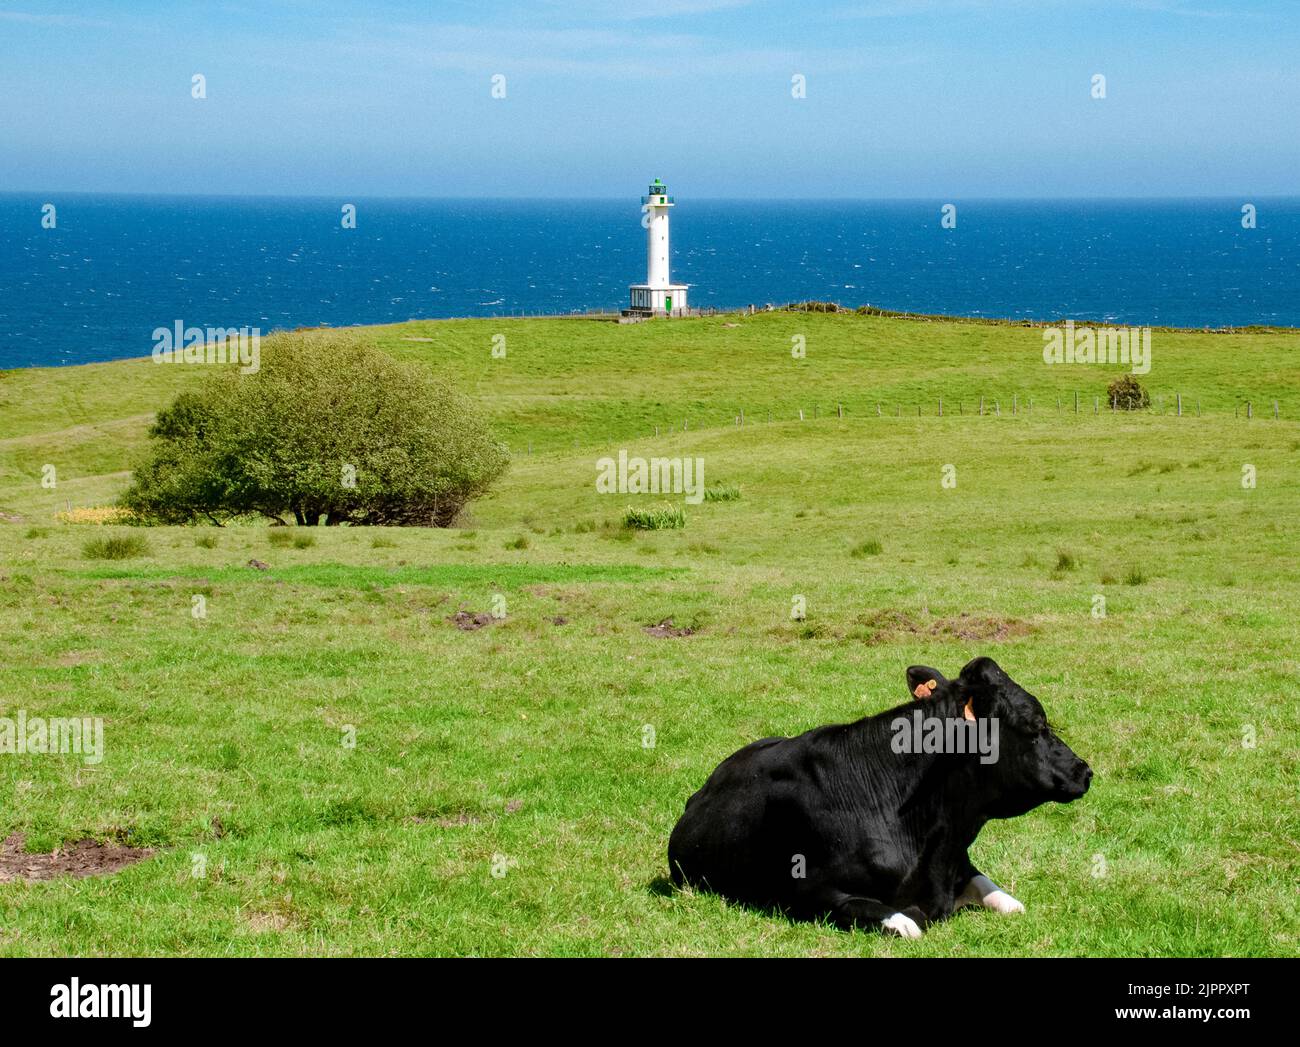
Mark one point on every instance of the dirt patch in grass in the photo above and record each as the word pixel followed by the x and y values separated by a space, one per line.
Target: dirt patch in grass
pixel 453 818
pixel 70 659
pixel 667 628
pixel 889 624
pixel 268 922
pixel 972 627
pixel 83 858
pixel 468 621
pixel 449 821
pixel 884 625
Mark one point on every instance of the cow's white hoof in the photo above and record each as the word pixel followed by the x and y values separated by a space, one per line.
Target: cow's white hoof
pixel 903 926
pixel 1000 901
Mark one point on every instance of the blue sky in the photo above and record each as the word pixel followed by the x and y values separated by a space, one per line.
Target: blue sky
pixel 904 98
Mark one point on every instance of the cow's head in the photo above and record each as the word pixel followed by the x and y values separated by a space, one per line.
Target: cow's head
pixel 1034 765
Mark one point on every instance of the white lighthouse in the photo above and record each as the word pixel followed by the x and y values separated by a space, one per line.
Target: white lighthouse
pixel 658 296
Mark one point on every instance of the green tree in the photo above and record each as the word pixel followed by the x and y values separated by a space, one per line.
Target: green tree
pixel 329 430
pixel 1127 394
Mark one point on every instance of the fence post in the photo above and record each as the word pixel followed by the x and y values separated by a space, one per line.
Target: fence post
pixel 1076 401
pixel 981 407
pixel 1249 412
pixel 1015 402
pixel 1096 405
pixel 941 407
pixel 839 410
pixel 801 414
pixel 1275 410
pixel 1180 405
pixel 877 408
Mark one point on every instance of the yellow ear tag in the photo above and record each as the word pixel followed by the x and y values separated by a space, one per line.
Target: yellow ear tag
pixel 968 712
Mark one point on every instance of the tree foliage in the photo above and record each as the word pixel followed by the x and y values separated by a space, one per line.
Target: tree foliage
pixel 328 430
pixel 1127 394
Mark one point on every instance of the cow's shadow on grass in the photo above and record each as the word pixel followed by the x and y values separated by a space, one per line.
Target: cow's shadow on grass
pixel 661 887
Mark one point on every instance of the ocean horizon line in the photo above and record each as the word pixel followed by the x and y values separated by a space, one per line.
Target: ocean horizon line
pixel 625 197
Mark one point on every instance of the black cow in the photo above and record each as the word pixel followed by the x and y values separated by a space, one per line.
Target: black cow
pixel 838 823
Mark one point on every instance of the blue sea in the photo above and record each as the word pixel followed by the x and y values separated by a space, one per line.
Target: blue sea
pixel 114 268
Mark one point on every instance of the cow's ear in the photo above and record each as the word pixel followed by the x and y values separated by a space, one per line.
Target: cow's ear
pixel 982 672
pixel 922 681
pixel 980 682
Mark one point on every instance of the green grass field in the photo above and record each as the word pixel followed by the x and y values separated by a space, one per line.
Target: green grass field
pixel 524 744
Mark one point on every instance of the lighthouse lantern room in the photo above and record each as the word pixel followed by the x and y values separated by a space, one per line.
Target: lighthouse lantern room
pixel 658 296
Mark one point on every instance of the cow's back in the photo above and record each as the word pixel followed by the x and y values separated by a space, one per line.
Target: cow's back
pixel 726 839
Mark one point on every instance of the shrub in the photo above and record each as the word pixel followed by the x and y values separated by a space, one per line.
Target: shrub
pixel 329 429
pixel 722 493
pixel 871 547
pixel 1065 560
pixel 304 541
pixel 116 547
pixel 382 542
pixel 1134 576
pixel 1127 394
pixel 663 518
pixel 280 537
pixel 519 543
pixel 206 541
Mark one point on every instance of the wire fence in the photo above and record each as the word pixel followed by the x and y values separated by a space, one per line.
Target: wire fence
pixel 1176 406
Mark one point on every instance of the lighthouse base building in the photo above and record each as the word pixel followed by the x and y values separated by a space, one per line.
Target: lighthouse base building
pixel 658 296
pixel 658 301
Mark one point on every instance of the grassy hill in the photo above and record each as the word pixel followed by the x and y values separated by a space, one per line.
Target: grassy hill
pixel 523 744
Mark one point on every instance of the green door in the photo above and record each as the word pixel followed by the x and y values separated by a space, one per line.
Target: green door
pixel 668 303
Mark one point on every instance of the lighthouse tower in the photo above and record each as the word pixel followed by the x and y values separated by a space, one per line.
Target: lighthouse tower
pixel 658 296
